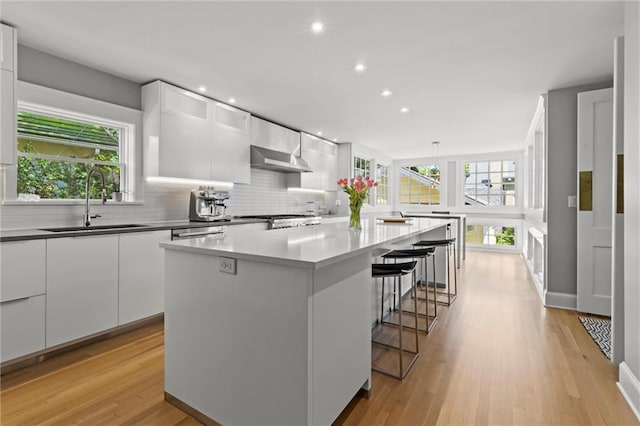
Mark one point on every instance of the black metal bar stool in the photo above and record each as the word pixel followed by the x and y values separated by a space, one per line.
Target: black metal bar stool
pixel 424 254
pixel 397 271
pixel 450 245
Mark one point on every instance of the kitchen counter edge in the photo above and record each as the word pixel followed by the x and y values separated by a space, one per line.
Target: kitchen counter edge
pixel 39 234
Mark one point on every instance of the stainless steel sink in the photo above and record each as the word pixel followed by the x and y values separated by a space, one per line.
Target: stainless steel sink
pixel 93 228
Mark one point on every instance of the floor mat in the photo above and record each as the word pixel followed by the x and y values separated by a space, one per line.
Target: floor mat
pixel 600 331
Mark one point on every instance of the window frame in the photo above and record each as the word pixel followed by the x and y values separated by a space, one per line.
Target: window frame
pixel 70 104
pixel 386 185
pixel 502 159
pixel 443 187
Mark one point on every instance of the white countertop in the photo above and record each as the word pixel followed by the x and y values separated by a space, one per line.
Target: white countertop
pixel 308 247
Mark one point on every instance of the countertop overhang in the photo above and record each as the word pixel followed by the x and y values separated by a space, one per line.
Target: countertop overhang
pixel 309 247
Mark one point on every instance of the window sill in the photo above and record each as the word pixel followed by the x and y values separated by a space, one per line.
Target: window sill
pixel 69 203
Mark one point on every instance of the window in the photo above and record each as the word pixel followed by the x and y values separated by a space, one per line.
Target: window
pixel 382 190
pixel 420 184
pixel 362 167
pixel 490 183
pixel 56 150
pixel 491 235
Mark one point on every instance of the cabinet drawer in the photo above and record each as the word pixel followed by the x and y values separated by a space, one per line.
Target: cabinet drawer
pixel 23 269
pixel 22 324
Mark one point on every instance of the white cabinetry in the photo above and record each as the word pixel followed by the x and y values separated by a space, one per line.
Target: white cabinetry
pixel 188 136
pixel 7 95
pixel 231 153
pixel 272 136
pixel 82 287
pixel 141 275
pixel 22 311
pixel 322 157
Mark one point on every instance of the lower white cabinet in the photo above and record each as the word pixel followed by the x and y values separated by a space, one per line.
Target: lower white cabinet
pixel 22 288
pixel 141 275
pixel 22 327
pixel 82 287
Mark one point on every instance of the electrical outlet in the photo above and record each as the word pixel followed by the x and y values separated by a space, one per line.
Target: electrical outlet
pixel 573 201
pixel 227 265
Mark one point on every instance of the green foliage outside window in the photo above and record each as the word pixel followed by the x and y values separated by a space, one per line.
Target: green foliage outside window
pixel 48 152
pixel 507 237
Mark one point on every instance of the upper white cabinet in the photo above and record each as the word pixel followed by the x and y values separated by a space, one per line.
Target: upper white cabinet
pixel 7 95
pixel 188 136
pixel 7 47
pixel 82 287
pixel 322 156
pixel 231 153
pixel 272 136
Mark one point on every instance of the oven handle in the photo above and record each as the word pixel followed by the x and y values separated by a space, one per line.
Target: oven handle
pixel 197 234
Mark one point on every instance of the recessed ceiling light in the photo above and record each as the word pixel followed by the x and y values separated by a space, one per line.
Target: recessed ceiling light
pixel 360 67
pixel 202 89
pixel 386 93
pixel 317 27
pixel 232 100
pixel 404 110
pixel 335 139
pixel 319 133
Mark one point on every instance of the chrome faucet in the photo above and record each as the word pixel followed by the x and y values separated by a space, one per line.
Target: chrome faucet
pixel 87 216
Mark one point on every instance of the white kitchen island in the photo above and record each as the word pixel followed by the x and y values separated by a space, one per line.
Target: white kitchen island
pixel 285 340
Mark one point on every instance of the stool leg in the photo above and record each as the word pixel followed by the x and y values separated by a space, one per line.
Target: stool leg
pixel 382 303
pixel 400 331
pixel 415 309
pixel 455 273
pixel 435 287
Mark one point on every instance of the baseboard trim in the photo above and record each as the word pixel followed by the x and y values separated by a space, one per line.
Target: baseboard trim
pixel 196 414
pixel 560 300
pixel 37 357
pixel 536 282
pixel 629 386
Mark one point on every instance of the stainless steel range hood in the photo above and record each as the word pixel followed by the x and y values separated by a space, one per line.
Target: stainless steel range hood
pixel 269 159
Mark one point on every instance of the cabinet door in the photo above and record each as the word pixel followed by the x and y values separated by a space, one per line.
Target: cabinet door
pixel 185 134
pixel 231 154
pixel 330 165
pixel 82 287
pixel 23 269
pixel 141 275
pixel 22 326
pixel 7 45
pixel 7 118
pixel 272 136
pixel 311 152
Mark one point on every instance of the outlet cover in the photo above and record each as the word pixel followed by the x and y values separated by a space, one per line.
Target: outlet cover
pixel 227 265
pixel 573 201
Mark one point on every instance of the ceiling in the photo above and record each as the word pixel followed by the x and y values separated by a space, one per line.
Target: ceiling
pixel 470 72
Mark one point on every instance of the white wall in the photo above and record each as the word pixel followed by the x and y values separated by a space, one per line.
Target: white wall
pixel 630 368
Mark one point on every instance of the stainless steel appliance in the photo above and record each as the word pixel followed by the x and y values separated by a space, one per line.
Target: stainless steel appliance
pixel 278 221
pixel 183 234
pixel 208 205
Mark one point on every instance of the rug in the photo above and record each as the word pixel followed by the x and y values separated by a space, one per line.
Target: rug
pixel 600 331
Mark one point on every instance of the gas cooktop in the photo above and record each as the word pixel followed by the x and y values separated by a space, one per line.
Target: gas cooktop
pixel 277 221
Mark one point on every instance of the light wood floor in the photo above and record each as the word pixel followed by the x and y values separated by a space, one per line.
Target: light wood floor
pixel 495 357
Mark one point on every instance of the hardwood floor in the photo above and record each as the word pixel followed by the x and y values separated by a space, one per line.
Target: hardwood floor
pixel 496 356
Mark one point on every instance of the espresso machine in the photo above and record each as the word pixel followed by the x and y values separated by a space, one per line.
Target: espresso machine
pixel 208 205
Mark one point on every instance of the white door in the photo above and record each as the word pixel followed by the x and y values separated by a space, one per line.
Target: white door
pixel 595 148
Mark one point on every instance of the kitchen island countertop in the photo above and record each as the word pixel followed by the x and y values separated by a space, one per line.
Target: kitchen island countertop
pixel 308 247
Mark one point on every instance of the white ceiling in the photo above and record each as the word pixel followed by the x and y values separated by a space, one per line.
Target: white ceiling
pixel 471 72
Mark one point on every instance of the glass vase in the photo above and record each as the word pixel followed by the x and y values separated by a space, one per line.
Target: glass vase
pixel 354 218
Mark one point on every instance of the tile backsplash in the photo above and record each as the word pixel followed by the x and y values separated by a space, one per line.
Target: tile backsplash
pixel 267 194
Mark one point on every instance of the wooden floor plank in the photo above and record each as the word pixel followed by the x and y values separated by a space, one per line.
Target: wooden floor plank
pixel 496 356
